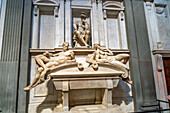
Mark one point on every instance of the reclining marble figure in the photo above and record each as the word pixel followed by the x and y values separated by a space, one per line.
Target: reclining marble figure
pixel 101 56
pixel 81 32
pixel 47 61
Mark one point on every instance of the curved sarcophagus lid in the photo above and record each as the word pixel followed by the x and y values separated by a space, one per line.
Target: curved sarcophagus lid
pixel 98 70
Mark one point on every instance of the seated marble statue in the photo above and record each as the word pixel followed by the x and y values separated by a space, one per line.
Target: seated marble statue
pixel 101 56
pixel 81 32
pixel 47 61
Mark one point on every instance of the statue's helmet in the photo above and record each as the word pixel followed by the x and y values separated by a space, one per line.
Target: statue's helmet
pixel 83 15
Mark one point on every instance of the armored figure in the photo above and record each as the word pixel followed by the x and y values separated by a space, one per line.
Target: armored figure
pixel 81 32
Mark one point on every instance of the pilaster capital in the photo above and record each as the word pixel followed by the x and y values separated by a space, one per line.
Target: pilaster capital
pixel 104 14
pixel 56 11
pixel 36 9
pixel 99 1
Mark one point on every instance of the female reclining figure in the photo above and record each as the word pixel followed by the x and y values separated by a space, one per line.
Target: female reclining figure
pixel 101 56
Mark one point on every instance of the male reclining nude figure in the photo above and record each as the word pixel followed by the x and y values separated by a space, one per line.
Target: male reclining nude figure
pixel 44 63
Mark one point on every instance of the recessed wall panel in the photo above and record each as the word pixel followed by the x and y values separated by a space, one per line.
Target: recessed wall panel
pixel 113 33
pixel 47 30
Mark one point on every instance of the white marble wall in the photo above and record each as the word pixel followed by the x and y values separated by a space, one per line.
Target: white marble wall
pixel 163 16
pixel 107 24
pixel 157 42
pixel 50 31
pixel 113 33
pixel 46 39
pixel 45 98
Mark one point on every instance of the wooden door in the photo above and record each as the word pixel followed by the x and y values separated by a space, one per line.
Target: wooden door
pixel 166 62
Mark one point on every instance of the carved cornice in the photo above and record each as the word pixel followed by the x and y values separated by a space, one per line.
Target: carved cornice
pixel 76 51
pixel 160 7
pixel 149 0
pixel 113 4
pixel 46 3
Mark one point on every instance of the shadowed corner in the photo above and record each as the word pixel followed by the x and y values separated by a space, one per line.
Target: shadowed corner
pixel 122 94
pixel 50 101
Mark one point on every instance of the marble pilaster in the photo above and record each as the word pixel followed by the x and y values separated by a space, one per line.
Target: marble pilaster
pixel 2 20
pixel 105 29
pixel 61 23
pixel 94 16
pixel 35 36
pixel 57 27
pixel 107 97
pixel 65 93
pixel 101 24
pixel 68 21
pixel 122 31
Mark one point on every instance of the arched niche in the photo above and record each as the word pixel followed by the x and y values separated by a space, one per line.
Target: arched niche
pixel 114 24
pixel 113 5
pixel 45 24
pixel 46 2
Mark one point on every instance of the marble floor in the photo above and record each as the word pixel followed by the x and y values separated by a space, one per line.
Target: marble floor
pixel 93 109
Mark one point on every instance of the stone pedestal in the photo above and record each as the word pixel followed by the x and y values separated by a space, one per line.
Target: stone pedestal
pixel 68 77
pixel 87 84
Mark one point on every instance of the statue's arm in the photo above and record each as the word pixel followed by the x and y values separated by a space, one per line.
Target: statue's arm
pixel 101 52
pixel 97 58
pixel 75 25
pixel 110 52
pixel 72 56
pixel 57 54
pixel 107 53
pixel 51 55
pixel 86 26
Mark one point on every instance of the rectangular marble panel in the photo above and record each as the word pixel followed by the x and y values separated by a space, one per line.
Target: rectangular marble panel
pixel 81 2
pixel 47 30
pixel 79 97
pixel 113 33
pixel 164 28
pixel 88 84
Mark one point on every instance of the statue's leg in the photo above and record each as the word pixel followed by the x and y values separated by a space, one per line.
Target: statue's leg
pixel 81 38
pixel 83 41
pixel 120 57
pixel 40 63
pixel 87 36
pixel 120 64
pixel 48 65
pixel 35 81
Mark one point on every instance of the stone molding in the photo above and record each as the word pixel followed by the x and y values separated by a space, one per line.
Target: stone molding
pixel 46 3
pixel 112 5
pixel 77 51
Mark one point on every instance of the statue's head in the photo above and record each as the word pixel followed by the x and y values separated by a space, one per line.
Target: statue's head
pixel 65 46
pixel 46 53
pixel 83 15
pixel 96 46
